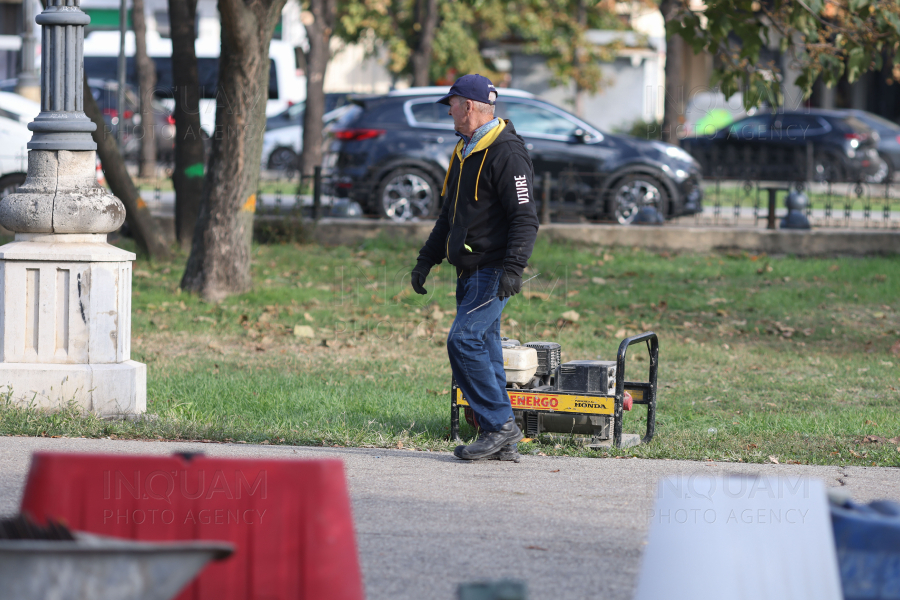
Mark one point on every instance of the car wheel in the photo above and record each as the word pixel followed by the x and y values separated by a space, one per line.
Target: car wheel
pixel 10 183
pixel 828 168
pixel 283 159
pixel 883 173
pixel 633 192
pixel 406 194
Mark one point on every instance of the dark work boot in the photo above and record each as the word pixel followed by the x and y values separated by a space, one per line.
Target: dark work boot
pixel 489 442
pixel 507 452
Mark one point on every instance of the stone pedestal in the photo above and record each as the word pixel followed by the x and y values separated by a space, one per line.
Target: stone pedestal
pixel 65 324
pixel 65 294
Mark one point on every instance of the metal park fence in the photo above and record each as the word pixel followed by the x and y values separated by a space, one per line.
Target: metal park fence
pixel 757 203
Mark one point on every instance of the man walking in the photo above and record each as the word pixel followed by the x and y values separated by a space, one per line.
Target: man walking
pixel 486 229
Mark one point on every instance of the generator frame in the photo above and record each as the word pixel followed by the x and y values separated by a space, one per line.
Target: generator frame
pixel 567 402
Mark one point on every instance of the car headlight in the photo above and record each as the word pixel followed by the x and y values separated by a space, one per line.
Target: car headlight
pixel 676 153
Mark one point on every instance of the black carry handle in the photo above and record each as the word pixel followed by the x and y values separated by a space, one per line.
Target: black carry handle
pixel 649 388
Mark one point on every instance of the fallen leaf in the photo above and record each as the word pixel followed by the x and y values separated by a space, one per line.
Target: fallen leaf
pixel 399 445
pixel 571 316
pixel 535 548
pixel 308 317
pixel 771 404
pixel 598 280
pixel 773 460
pixel 715 301
pixel 751 446
pixel 873 439
pixel 833 268
pixel 304 331
pixel 571 293
pixel 895 349
pixel 870 422
pixel 525 440
pixel 856 454
pixel 555 471
pixel 530 295
pixel 895 440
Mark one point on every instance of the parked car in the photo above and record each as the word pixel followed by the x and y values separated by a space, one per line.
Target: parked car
pixel 283 140
pixel 888 144
pixel 773 146
pixel 390 153
pixel 15 114
pixel 105 92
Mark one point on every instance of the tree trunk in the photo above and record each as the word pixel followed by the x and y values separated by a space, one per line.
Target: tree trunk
pixel 581 17
pixel 426 18
pixel 674 100
pixel 137 215
pixel 319 35
pixel 219 264
pixel 146 70
pixel 190 153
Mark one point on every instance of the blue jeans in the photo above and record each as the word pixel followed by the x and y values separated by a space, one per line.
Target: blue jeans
pixel 473 345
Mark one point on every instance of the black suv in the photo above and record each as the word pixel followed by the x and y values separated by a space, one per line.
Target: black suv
pixel 816 144
pixel 390 153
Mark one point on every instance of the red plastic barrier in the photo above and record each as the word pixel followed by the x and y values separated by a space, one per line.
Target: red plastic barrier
pixel 290 521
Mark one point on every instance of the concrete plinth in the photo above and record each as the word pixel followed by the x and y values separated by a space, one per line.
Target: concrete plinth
pixel 61 195
pixel 65 325
pixel 107 390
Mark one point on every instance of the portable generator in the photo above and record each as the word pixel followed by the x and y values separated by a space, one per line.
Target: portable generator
pixel 575 397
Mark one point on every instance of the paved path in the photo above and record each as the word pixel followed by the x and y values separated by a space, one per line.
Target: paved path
pixel 572 528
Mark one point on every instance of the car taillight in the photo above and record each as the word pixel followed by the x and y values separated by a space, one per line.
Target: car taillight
pixel 170 120
pixel 129 114
pixel 356 135
pixel 856 136
pixel 111 112
pixel 898 139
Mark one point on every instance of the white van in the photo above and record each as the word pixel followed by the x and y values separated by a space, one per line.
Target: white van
pixel 15 114
pixel 101 60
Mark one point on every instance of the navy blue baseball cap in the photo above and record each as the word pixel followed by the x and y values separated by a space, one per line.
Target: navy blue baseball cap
pixel 474 87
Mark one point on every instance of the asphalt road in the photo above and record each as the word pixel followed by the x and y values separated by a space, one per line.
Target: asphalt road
pixel 572 528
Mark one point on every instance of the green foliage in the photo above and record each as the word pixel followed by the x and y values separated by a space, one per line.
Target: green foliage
pixel 554 28
pixel 645 130
pixel 825 39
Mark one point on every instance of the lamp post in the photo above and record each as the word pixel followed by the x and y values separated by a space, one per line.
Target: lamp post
pixel 65 311
pixel 28 84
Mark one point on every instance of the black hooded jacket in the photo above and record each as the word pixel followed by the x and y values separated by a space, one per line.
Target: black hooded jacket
pixel 488 217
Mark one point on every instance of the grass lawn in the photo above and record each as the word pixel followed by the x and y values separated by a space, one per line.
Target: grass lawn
pixel 761 358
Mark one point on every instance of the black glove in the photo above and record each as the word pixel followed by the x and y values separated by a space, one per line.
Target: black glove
pixel 419 273
pixel 510 285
